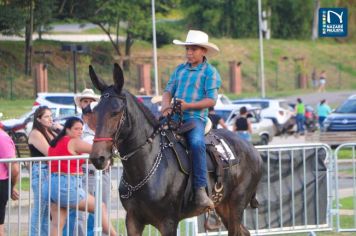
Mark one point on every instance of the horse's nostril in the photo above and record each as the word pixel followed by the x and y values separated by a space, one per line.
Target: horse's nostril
pixel 99 162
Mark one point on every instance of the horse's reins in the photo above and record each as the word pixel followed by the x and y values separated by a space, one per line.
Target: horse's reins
pixel 157 130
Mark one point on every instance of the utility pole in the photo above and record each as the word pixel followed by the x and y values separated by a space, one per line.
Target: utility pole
pixel 315 20
pixel 28 36
pixel 262 72
pixel 154 46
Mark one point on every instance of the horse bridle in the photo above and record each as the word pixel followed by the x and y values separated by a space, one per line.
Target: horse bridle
pixel 117 133
pixel 121 122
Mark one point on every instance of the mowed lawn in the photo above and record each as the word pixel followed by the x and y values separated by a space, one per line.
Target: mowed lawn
pixel 15 108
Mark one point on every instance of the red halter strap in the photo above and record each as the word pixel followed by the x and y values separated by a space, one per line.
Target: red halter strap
pixel 101 139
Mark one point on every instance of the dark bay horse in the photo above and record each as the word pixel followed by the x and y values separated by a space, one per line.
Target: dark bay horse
pixel 152 185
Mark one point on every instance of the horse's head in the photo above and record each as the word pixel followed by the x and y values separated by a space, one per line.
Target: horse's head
pixel 110 116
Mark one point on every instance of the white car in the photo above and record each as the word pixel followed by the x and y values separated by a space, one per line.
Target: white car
pixel 57 112
pixel 276 109
pixel 263 130
pixel 224 103
pixel 52 99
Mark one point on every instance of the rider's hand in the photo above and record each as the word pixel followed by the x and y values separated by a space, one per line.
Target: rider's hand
pixel 184 105
pixel 166 110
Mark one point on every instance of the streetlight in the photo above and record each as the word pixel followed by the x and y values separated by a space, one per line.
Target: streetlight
pixel 75 48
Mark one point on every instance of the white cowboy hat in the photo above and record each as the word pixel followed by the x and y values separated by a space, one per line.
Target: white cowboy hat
pixel 196 37
pixel 87 93
pixel 156 99
pixel 90 108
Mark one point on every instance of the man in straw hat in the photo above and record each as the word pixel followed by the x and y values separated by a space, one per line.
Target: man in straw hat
pixel 84 98
pixel 195 83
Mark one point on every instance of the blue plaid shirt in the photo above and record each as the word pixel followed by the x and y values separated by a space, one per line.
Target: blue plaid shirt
pixel 193 85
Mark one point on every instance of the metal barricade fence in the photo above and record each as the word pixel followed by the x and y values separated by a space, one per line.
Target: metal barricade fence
pixel 346 196
pixel 18 215
pixel 294 193
pixel 23 224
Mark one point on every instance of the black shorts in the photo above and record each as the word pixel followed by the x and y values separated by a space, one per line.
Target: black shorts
pixel 4 196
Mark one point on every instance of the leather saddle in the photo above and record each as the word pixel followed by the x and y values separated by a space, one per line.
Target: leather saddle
pixel 218 152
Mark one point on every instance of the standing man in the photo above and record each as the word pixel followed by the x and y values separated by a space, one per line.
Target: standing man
pixel 300 116
pixel 87 101
pixel 88 136
pixel 195 83
pixel 81 100
pixel 7 150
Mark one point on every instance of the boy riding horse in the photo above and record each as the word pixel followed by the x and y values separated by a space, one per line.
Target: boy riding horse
pixel 195 83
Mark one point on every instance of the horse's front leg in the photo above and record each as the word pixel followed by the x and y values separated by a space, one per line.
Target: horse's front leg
pixel 133 226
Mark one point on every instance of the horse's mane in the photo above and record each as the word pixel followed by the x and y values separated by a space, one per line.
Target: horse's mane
pixel 147 113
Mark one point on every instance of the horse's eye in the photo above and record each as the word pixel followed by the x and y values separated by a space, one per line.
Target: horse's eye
pixel 115 113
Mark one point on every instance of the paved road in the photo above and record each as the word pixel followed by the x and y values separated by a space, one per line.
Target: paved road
pixel 334 98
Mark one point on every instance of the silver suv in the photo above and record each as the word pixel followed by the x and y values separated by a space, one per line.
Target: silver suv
pixel 343 118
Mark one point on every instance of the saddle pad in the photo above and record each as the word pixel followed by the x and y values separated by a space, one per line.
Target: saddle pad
pixel 225 153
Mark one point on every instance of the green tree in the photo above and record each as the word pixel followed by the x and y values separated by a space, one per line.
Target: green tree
pixel 12 17
pixel 291 18
pixel 116 16
pixel 230 18
pixel 29 14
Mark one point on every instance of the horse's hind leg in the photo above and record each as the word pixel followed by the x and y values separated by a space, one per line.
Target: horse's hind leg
pixel 168 227
pixel 253 202
pixel 235 226
pixel 133 226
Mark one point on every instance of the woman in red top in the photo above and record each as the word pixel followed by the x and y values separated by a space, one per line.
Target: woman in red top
pixel 68 143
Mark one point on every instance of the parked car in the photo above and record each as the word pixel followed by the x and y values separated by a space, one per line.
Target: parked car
pixel 223 100
pixel 224 103
pixel 277 110
pixel 27 118
pixel 263 130
pixel 52 99
pixel 155 108
pixel 343 118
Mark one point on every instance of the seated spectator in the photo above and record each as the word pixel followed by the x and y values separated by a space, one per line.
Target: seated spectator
pixel 68 143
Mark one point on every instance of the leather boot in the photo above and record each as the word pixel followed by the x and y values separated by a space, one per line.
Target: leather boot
pixel 202 201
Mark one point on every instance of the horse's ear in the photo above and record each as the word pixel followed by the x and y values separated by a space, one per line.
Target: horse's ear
pixel 97 82
pixel 118 77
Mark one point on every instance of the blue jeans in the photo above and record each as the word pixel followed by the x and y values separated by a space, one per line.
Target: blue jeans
pixel 40 210
pixel 321 121
pixel 300 123
pixel 63 194
pixel 245 135
pixel 196 142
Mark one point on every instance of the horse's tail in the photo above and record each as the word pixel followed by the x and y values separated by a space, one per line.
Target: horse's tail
pixel 253 202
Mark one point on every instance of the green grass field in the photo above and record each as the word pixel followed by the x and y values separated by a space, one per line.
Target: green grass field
pixel 284 60
pixel 15 108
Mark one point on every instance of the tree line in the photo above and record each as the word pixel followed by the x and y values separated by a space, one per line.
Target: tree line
pixel 288 19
